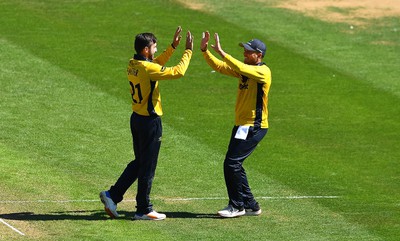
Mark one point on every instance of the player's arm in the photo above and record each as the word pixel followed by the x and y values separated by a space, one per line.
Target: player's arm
pixel 158 72
pixel 163 58
pixel 258 73
pixel 216 64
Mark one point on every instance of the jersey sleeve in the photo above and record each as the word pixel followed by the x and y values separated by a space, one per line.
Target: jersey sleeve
pixel 159 72
pixel 163 58
pixel 219 65
pixel 258 73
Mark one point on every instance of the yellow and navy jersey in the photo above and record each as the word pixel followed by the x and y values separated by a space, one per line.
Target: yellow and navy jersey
pixel 254 83
pixel 143 78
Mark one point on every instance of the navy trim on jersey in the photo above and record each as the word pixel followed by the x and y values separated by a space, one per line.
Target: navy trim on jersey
pixel 259 102
pixel 259 105
pixel 150 106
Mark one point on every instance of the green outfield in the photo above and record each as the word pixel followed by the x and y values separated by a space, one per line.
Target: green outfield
pixel 328 168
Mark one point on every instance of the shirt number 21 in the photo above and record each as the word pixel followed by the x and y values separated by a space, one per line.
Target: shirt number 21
pixel 136 89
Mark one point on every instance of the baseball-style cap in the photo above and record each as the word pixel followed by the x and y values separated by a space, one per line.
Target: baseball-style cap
pixel 255 45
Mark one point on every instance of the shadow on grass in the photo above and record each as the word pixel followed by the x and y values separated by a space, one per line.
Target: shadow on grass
pixel 92 215
pixel 190 215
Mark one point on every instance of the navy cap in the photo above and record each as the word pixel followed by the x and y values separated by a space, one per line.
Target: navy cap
pixel 255 45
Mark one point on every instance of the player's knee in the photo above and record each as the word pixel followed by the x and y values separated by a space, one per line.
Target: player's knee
pixel 232 165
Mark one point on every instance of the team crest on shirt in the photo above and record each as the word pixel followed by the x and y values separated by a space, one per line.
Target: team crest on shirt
pixel 132 71
pixel 244 85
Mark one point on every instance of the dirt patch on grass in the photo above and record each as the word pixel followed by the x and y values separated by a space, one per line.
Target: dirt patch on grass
pixel 193 5
pixel 354 12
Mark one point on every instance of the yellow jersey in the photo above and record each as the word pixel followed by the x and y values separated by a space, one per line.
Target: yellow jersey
pixel 143 78
pixel 254 83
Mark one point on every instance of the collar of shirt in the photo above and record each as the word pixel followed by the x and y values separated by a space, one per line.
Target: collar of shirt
pixel 141 57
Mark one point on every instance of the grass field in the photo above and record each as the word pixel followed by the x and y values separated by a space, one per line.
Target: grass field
pixel 328 168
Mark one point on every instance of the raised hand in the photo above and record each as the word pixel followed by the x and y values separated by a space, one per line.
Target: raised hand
pixel 217 46
pixel 177 37
pixel 189 40
pixel 204 41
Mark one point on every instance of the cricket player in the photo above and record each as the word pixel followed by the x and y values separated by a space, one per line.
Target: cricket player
pixel 144 71
pixel 251 118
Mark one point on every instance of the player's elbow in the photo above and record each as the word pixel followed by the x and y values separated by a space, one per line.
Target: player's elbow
pixel 178 73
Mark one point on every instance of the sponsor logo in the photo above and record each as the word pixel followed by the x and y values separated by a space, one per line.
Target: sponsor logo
pixel 244 85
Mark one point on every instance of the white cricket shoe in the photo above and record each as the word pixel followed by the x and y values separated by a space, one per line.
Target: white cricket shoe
pixel 231 212
pixel 153 215
pixel 109 206
pixel 254 211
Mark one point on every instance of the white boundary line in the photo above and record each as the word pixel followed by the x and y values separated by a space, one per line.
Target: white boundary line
pixel 166 199
pixel 14 229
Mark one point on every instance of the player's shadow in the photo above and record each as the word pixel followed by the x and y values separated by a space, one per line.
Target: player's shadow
pixel 190 215
pixel 92 215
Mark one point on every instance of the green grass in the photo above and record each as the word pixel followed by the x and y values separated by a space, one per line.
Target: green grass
pixel 64 121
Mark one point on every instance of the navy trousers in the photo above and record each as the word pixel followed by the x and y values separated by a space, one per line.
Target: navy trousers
pixel 239 192
pixel 146 134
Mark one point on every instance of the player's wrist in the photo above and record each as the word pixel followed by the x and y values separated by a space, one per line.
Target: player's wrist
pixel 172 45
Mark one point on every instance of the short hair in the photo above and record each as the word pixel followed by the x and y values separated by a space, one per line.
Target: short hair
pixel 143 40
